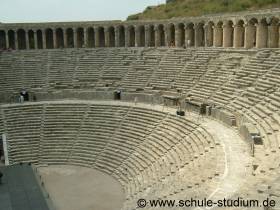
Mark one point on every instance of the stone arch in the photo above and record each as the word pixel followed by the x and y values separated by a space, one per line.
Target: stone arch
pixel 80 37
pixel 31 39
pixel 90 37
pixel 131 36
pixel 59 38
pixel 2 39
pixel 190 35
pixel 70 37
pixel 151 35
pixel 228 34
pixel 273 33
pixel 121 36
pixel 39 39
pixel 199 35
pixel 21 39
pixel 49 38
pixel 209 33
pixel 218 34
pixel 239 34
pixel 100 37
pixel 142 36
pixel 181 35
pixel 262 34
pixel 12 41
pixel 250 33
pixel 171 34
pixel 111 37
pixel 161 36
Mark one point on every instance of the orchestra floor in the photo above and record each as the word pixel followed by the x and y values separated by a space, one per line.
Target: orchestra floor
pixel 74 187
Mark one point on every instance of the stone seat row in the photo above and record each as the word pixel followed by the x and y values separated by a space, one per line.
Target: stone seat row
pixel 64 69
pixel 127 157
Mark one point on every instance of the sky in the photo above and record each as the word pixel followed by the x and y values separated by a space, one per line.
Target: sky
pixel 18 11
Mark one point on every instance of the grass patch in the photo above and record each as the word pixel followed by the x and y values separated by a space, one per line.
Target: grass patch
pixel 187 8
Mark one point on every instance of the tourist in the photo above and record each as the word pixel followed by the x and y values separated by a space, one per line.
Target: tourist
pixel 21 99
pixel 25 95
pixel 188 43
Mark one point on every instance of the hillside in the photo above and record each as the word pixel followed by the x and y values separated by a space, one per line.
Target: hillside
pixel 187 8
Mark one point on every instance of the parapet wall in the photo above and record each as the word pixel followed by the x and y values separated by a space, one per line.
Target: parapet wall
pixel 240 30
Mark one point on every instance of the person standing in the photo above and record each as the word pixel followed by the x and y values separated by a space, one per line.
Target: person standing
pixel 1 175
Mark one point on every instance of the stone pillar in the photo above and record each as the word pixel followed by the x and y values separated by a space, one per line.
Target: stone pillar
pixel 35 40
pixel 7 39
pixel 107 36
pixel 205 28
pixel 166 36
pixel 177 36
pixel 218 36
pixel 208 35
pixel 27 40
pixel 182 36
pixel 136 31
pixel 273 36
pixel 238 37
pixel 16 40
pixel 44 39
pixel 189 36
pixel 205 35
pixel 261 37
pixel 147 36
pixel 157 37
pixel 167 32
pixel 250 36
pixel 75 37
pixel 65 37
pixel 227 35
pixel 279 38
pixel 85 38
pixel 197 36
pixel 137 36
pixel 127 36
pixel 54 38
pixel 117 37
pixel 96 37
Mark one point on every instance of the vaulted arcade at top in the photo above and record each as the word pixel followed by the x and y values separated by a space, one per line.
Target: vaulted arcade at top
pixel 259 29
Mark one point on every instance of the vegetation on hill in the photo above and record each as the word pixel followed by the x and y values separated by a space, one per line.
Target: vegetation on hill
pixel 187 8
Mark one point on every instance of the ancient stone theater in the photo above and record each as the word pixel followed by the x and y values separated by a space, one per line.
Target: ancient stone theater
pixel 116 115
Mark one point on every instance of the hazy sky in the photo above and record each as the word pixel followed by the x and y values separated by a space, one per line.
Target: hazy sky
pixel 70 10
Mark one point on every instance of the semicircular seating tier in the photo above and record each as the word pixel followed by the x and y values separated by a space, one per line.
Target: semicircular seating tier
pixel 243 84
pixel 151 153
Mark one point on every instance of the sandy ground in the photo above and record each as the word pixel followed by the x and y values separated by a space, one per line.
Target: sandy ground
pixel 79 188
